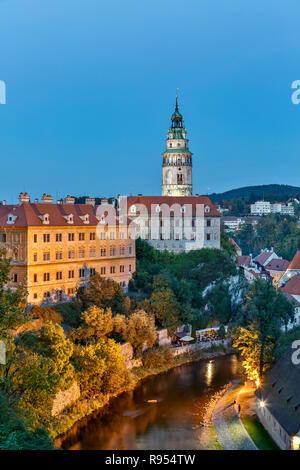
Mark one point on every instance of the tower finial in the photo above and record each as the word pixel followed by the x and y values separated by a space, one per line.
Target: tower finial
pixel 176 107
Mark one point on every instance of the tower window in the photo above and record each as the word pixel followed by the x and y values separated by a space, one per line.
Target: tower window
pixel 179 178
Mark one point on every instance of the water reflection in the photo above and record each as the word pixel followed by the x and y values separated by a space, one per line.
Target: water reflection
pixel 174 422
pixel 209 373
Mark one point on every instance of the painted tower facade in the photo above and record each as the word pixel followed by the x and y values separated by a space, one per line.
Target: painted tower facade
pixel 177 169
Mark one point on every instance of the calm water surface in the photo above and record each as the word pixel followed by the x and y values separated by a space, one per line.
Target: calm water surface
pixel 129 422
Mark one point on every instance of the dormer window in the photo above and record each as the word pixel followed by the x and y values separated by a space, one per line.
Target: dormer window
pixel 11 219
pixel 45 218
pixel 157 208
pixel 182 208
pixel 85 218
pixel 69 218
pixel 133 209
pixel 206 209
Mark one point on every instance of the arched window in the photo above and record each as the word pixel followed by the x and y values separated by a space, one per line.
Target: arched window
pixel 179 178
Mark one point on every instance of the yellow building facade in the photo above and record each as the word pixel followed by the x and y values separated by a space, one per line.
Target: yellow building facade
pixel 56 247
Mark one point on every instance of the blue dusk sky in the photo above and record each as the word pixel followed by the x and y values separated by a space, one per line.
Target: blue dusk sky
pixel 91 87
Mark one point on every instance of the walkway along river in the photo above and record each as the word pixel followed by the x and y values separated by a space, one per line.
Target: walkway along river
pixel 173 422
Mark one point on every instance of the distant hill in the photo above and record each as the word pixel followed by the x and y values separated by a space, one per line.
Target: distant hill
pixel 278 192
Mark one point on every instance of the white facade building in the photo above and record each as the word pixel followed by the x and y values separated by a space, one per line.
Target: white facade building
pixel 260 208
pixel 175 223
pixel 265 208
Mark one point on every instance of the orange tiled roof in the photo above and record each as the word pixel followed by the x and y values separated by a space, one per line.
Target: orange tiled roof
pixel 28 214
pixel 295 263
pixel 292 286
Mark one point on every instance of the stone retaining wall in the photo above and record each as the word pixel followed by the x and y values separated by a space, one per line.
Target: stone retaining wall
pixel 65 398
pixel 177 351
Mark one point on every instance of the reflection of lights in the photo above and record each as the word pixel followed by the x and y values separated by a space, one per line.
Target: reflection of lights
pixel 209 373
pixel 234 364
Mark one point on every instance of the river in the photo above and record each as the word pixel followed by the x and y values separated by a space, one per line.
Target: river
pixel 174 422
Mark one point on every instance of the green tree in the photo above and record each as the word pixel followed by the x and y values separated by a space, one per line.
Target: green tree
pixel 138 329
pixel 248 342
pixel 51 343
pixel 100 368
pixel 266 310
pixel 164 306
pixel 12 312
pixel 16 433
pixel 42 368
pixel 101 292
pixel 97 323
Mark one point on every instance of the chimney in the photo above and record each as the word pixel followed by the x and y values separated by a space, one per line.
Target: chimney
pixel 104 200
pixel 69 199
pixel 91 201
pixel 24 197
pixel 36 200
pixel 4 202
pixel 46 198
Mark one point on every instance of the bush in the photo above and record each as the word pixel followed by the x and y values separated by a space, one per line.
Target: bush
pixel 70 312
pixel 47 314
pixel 158 357
pixel 222 332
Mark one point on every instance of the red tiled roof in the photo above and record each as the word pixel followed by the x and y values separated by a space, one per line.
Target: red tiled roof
pixel 170 200
pixel 295 263
pixel 292 286
pixel 263 257
pixel 28 214
pixel 277 265
pixel 292 299
pixel 234 243
pixel 244 260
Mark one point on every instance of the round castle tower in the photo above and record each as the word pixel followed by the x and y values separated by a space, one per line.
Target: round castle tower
pixel 177 168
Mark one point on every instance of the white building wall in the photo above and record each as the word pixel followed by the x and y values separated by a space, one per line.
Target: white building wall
pixel 274 429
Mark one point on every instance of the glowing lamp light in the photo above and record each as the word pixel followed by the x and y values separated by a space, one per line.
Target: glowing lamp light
pixel 262 404
pixel 296 442
pixel 257 383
